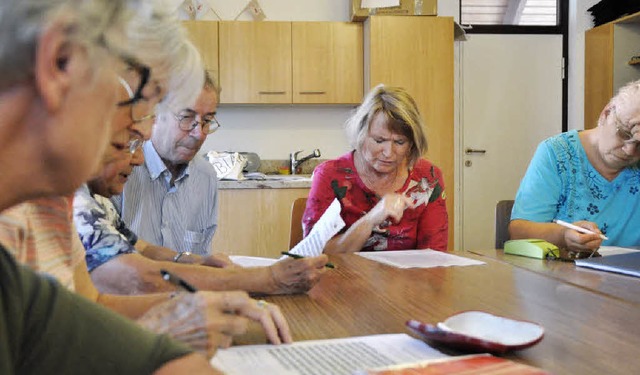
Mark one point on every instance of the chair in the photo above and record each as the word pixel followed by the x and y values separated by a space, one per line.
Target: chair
pixel 503 217
pixel 297 209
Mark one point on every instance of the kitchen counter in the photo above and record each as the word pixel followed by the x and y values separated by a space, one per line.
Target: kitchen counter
pixel 271 182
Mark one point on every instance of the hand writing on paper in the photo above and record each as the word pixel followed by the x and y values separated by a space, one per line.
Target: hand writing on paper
pixel 207 321
pixel 297 275
pixel 582 242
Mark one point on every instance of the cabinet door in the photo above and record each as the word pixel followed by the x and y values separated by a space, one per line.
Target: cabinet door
pixel 417 53
pixel 255 62
pixel 327 62
pixel 204 35
pixel 255 222
pixel 598 72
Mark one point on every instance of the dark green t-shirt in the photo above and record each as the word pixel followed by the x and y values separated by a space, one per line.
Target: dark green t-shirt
pixel 45 329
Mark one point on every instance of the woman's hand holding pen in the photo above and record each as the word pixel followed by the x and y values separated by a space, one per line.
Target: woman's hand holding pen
pixel 582 242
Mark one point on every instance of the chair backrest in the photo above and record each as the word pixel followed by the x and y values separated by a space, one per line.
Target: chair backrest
pixel 503 217
pixel 297 210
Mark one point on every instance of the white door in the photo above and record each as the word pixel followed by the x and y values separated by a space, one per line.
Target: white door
pixel 511 88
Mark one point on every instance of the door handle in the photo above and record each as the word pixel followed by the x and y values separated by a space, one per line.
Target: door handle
pixel 473 151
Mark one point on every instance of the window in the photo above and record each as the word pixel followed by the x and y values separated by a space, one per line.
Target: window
pixel 510 12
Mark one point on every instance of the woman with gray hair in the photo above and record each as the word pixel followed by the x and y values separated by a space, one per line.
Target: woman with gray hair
pixel 391 198
pixel 59 67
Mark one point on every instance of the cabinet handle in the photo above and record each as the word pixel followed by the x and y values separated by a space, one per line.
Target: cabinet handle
pixel 472 151
pixel 272 92
pixel 312 92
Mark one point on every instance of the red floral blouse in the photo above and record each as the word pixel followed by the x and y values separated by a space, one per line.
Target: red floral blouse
pixel 423 226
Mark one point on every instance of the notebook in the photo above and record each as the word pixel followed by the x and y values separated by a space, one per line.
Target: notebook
pixel 628 264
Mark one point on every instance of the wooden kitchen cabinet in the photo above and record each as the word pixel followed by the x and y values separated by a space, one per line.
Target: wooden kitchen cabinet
pixel 417 53
pixel 608 50
pixel 291 62
pixel 204 35
pixel 327 62
pixel 255 222
pixel 255 62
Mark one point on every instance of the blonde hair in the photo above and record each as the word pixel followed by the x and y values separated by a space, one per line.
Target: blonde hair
pixel 397 105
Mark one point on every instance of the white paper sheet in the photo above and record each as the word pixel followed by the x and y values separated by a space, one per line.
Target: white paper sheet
pixel 614 250
pixel 419 258
pixel 317 357
pixel 379 3
pixel 327 226
pixel 247 261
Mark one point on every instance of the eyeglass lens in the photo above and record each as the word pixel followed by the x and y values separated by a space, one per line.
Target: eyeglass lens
pixel 188 122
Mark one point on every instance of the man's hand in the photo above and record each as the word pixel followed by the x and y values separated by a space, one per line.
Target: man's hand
pixel 207 321
pixel 297 275
pixel 582 242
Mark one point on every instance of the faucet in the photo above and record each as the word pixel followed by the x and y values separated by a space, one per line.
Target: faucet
pixel 295 162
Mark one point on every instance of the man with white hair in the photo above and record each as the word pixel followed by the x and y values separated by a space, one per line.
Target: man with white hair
pixel 589 178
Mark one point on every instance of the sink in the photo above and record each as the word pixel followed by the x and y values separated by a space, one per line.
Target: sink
pixel 278 177
pixel 288 177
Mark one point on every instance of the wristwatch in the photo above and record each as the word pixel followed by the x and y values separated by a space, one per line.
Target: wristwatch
pixel 179 255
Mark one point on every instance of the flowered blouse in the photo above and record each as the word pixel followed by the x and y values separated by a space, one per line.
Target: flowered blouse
pixel 423 226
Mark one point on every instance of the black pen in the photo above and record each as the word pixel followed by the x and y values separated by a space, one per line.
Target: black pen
pixel 296 256
pixel 175 280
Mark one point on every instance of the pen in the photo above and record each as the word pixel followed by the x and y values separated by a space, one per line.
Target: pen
pixel 175 280
pixel 579 229
pixel 296 256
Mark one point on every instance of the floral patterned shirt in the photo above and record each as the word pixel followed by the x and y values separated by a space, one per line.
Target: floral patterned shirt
pixel 424 226
pixel 561 183
pixel 102 231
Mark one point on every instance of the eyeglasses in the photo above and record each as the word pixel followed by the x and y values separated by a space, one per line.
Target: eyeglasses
pixel 142 71
pixel 134 144
pixel 187 122
pixel 139 107
pixel 625 135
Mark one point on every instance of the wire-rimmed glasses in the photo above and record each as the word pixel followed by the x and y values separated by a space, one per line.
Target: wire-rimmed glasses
pixel 187 121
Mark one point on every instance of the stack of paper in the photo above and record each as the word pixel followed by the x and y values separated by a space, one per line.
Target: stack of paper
pixel 419 258
pixel 331 357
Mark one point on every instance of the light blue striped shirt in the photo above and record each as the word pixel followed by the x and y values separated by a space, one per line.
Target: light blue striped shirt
pixel 182 217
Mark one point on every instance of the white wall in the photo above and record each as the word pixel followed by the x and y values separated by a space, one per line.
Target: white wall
pixel 274 131
pixel 579 21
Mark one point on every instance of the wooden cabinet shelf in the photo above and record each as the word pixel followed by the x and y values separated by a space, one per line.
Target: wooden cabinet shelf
pixel 608 49
pixel 635 60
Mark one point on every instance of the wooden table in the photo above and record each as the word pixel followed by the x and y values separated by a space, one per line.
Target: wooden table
pixel 622 287
pixel 585 332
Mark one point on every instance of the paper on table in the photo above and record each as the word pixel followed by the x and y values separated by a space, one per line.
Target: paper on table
pixel 247 261
pixel 335 356
pixel 379 3
pixel 327 226
pixel 419 258
pixel 615 250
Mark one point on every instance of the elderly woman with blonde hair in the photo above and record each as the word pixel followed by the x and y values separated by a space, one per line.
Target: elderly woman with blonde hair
pixel 391 197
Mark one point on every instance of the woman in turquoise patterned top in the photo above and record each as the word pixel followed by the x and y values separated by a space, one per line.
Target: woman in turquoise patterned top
pixel 589 178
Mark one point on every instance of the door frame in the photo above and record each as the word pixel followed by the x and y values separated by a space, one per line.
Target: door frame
pixel 563 29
